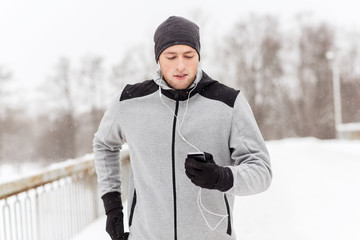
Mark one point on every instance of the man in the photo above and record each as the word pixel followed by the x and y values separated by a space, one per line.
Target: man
pixel 181 110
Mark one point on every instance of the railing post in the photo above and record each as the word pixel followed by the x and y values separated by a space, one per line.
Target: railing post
pixel 7 229
pixel 17 217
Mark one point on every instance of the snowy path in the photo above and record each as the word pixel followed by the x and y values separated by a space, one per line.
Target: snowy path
pixel 315 195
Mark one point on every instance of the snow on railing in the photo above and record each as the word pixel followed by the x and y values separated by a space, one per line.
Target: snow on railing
pixel 56 203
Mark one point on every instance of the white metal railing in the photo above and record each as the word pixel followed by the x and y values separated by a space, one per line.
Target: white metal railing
pixel 56 203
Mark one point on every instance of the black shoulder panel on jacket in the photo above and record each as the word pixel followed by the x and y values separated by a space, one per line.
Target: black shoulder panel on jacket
pixel 138 90
pixel 220 92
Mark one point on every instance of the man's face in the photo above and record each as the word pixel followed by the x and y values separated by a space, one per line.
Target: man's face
pixel 179 65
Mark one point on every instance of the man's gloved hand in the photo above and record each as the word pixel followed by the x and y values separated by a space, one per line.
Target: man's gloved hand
pixel 114 221
pixel 209 175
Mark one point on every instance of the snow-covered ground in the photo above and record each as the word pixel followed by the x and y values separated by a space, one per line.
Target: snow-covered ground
pixel 315 194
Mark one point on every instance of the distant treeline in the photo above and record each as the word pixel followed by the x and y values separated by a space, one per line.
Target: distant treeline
pixel 286 75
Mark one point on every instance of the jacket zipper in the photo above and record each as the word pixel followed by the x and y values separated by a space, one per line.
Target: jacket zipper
pixel 173 168
pixel 132 208
pixel 229 216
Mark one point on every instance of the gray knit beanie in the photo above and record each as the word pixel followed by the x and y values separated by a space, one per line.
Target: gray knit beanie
pixel 176 31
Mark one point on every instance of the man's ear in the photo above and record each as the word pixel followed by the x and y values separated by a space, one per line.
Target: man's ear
pixel 161 74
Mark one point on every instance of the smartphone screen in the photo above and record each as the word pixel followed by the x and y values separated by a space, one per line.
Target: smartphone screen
pixel 199 156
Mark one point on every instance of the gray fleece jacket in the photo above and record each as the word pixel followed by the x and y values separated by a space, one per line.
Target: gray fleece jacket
pixel 163 203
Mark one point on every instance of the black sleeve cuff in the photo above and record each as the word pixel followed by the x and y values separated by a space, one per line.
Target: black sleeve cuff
pixel 226 180
pixel 112 200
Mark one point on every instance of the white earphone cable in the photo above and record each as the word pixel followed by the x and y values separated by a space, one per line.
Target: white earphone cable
pixel 199 199
pixel 201 206
pixel 183 118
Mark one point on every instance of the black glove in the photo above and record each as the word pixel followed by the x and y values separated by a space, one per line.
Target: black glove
pixel 209 175
pixel 114 221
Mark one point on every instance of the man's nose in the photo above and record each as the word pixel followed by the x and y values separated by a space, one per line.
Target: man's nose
pixel 180 65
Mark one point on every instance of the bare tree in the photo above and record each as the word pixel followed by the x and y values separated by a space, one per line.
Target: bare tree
pixel 61 133
pixel 349 66
pixel 92 80
pixel 136 65
pixel 350 81
pixel 315 105
pixel 16 129
pixel 93 88
pixel 252 60
pixel 5 76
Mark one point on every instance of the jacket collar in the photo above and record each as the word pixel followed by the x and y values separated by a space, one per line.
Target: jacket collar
pixel 200 82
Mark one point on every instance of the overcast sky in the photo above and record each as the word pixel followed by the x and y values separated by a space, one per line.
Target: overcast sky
pixel 34 34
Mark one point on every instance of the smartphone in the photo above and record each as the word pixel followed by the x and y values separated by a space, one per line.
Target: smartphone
pixel 199 156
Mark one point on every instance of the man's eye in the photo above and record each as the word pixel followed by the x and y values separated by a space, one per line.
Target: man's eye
pixel 171 58
pixel 189 56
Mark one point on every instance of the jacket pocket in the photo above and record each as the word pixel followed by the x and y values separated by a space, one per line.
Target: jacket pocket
pixel 228 231
pixel 133 204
